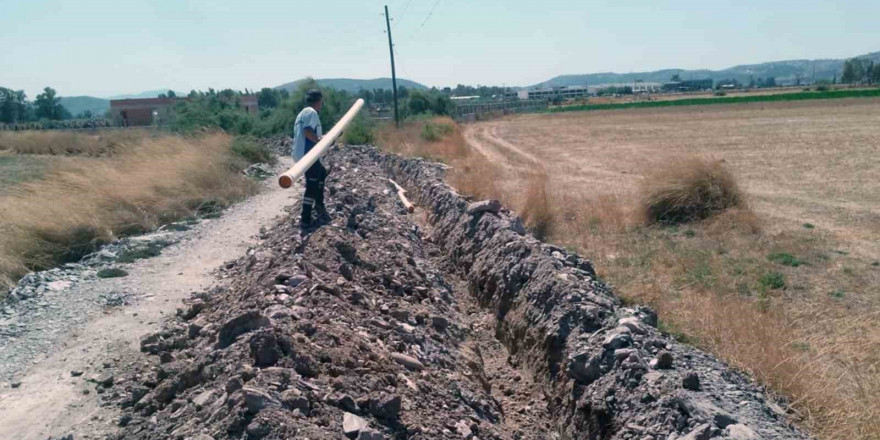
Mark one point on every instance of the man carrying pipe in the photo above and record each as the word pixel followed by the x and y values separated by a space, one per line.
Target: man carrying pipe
pixel 307 132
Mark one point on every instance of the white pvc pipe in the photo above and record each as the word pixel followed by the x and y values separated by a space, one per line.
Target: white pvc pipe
pixel 287 178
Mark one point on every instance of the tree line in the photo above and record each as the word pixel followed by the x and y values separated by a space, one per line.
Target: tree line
pixel 16 109
pixel 860 71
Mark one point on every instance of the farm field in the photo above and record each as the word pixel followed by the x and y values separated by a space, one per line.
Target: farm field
pixel 787 289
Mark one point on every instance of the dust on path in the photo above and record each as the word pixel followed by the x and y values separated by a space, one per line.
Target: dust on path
pixel 49 401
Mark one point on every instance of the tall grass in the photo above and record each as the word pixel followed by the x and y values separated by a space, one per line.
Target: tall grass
pixel 71 143
pixel 81 202
pixel 469 172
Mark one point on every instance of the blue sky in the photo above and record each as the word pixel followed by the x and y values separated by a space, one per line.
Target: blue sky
pixel 103 48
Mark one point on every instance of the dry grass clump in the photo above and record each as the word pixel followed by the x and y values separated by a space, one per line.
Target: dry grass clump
pixel 70 143
pixel 84 201
pixel 538 211
pixel 688 190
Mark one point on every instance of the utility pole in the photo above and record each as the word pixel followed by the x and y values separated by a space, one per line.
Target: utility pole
pixel 393 74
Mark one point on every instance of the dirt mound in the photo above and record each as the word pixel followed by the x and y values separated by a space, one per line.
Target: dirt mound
pixel 456 324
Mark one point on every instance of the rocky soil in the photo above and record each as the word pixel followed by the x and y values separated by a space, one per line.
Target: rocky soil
pixel 452 322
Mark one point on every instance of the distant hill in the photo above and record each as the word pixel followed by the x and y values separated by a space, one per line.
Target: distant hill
pixel 785 72
pixel 147 94
pixel 78 104
pixel 354 85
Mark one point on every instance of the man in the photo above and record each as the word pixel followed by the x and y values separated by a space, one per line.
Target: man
pixel 307 132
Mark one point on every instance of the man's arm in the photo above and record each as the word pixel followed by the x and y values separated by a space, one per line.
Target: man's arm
pixel 311 135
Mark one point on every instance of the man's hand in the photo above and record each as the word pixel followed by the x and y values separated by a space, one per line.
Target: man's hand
pixel 311 135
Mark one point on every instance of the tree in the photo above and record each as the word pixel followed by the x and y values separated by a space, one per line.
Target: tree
pixel 676 78
pixel 267 98
pixel 13 106
pixel 171 94
pixel 875 74
pixel 48 106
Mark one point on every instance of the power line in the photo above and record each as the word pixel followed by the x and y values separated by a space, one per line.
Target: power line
pixel 425 21
pixel 405 8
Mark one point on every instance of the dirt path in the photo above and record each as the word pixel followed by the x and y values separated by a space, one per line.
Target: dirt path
pixel 50 401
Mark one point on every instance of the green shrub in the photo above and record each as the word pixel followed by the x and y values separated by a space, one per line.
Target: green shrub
pixel 360 132
pixel 772 280
pixel 252 150
pixel 432 132
pixel 153 249
pixel 112 273
pixel 784 259
pixel 809 225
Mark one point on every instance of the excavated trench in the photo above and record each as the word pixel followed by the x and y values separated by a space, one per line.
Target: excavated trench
pixel 451 322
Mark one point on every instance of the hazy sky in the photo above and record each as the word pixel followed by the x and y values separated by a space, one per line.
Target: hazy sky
pixel 102 48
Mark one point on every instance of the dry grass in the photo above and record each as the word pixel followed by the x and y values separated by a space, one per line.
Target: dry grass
pixel 469 173
pixel 82 201
pixel 807 331
pixel 693 189
pixel 70 143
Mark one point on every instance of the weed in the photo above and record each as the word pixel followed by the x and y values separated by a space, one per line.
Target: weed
pixel 784 259
pixel 837 294
pixel 772 280
pixel 809 225
pixel 112 273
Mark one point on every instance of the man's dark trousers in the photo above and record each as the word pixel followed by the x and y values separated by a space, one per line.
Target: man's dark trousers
pixel 314 194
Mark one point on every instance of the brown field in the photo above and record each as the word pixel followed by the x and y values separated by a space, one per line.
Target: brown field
pixel 786 289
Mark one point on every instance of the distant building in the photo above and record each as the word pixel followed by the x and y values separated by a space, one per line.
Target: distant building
pixel 156 111
pixel 569 92
pixel 688 85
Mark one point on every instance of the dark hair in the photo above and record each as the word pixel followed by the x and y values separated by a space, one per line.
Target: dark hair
pixel 313 96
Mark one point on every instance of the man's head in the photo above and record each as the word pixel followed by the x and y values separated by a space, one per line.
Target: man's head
pixel 315 99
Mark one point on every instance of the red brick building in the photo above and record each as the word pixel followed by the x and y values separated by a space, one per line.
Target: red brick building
pixel 156 111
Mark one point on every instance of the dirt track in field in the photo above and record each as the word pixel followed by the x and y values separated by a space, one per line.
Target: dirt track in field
pixel 801 162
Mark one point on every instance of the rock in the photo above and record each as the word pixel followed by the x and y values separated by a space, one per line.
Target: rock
pixel 463 428
pixel 663 361
pixel 293 400
pixel 352 425
pixel 691 381
pixel 241 324
pixel 264 348
pixel 256 400
pixel 194 330
pixel 617 340
pixel 296 280
pixel 633 324
pixel 370 434
pixel 490 205
pixel 203 398
pixel 407 361
pixel 701 432
pixel 347 252
pixel 439 322
pixel 386 406
pixel 15 384
pixel 740 432
pixel 104 379
pixel 233 384
pixel 347 403
pixel 76 373
pixel 346 271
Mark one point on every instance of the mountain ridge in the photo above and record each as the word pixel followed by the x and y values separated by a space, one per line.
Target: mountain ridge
pixel 785 72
